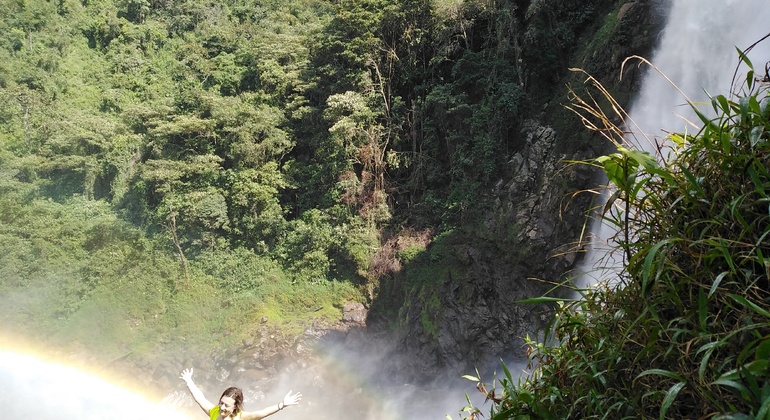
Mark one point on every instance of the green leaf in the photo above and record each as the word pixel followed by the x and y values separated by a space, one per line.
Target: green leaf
pixel 737 386
pixel 764 109
pixel 759 176
pixel 641 157
pixel 755 135
pixel 748 304
pixel 764 410
pixel 707 122
pixel 662 372
pixel 709 349
pixel 544 299
pixel 763 350
pixel 744 109
pixel 717 281
pixel 649 263
pixel 722 102
pixel 744 378
pixel 507 372
pixel 744 58
pixel 754 105
pixel 670 397
pixel 758 368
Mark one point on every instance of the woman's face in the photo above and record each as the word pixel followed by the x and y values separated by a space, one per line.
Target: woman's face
pixel 226 406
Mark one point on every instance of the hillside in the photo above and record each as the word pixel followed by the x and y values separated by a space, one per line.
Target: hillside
pixel 181 178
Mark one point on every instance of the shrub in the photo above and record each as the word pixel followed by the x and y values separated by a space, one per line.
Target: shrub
pixel 684 331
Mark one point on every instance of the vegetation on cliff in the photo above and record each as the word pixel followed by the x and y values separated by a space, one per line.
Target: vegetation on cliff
pixel 684 330
pixel 176 174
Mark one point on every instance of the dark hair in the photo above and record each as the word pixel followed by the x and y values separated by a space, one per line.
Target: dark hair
pixel 236 394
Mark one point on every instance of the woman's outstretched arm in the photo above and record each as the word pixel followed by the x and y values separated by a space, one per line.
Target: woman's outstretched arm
pixel 288 400
pixel 197 394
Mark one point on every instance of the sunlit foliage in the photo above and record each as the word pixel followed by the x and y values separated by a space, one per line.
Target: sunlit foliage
pixel 684 331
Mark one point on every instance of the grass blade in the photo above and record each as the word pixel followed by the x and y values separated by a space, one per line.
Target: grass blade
pixel 670 397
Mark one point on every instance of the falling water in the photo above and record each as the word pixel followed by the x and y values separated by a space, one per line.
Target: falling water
pixel 697 52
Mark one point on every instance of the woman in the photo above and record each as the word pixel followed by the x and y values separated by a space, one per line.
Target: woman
pixel 230 405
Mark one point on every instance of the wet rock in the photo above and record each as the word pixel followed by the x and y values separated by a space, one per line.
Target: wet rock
pixel 355 313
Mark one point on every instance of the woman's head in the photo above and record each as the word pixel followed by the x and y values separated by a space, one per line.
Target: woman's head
pixel 231 401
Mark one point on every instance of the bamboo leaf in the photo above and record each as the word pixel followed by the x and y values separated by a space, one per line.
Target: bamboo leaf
pixel 748 304
pixel 507 372
pixel 744 109
pixel 702 309
pixel 725 141
pixel 543 299
pixel 759 185
pixel 757 368
pixel 763 350
pixel 722 102
pixel 649 263
pixel 662 372
pixel 707 122
pixel 764 410
pixel 764 109
pixel 709 349
pixel 737 386
pixel 744 58
pixel 754 105
pixel 670 397
pixel 717 282
pixel 755 135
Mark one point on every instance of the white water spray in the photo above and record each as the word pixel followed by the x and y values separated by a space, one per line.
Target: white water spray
pixel 698 53
pixel 34 388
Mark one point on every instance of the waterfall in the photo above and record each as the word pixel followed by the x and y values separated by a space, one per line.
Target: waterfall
pixel 697 52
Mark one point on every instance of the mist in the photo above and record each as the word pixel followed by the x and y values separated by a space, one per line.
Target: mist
pixel 343 383
pixel 36 388
pixel 340 385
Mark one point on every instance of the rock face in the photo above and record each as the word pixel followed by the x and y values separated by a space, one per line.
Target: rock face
pixel 480 321
pixel 527 243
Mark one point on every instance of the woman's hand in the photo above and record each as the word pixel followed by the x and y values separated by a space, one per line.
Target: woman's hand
pixel 186 375
pixel 291 399
pixel 197 395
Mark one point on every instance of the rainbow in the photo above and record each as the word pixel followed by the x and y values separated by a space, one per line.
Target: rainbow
pixel 40 389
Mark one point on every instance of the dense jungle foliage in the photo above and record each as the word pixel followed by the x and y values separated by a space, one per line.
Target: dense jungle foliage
pixel 683 332
pixel 173 167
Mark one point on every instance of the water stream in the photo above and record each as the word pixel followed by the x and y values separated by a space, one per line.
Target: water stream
pixel 697 52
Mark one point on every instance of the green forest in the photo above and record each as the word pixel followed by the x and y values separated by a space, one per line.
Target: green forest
pixel 171 169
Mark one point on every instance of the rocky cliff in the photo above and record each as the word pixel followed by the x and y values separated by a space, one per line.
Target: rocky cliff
pixel 528 240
